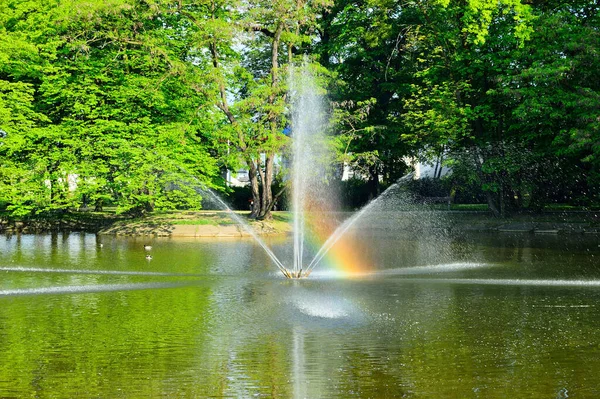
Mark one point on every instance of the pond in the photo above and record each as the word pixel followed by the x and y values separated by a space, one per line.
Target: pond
pixel 498 316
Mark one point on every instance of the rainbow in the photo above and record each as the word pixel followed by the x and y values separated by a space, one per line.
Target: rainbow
pixel 346 256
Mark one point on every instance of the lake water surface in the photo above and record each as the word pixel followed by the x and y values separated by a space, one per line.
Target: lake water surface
pixel 496 316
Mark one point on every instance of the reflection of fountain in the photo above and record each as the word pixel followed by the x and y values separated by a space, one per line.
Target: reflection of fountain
pixel 299 364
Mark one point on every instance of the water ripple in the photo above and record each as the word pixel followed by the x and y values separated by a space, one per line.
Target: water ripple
pixel 110 272
pixel 78 289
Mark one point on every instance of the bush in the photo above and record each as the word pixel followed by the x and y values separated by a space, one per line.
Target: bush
pixel 239 198
pixel 429 187
pixel 354 193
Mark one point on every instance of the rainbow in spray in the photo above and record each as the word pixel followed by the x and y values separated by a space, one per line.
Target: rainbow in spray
pixel 337 249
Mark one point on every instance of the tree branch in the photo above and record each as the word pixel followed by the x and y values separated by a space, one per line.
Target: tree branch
pixel 262 29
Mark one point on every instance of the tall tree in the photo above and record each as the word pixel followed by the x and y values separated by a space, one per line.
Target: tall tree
pixel 363 43
pixel 248 43
pixel 556 93
pixel 121 124
pixel 511 98
pixel 462 52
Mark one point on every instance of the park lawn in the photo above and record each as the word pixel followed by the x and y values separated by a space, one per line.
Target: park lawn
pixel 160 222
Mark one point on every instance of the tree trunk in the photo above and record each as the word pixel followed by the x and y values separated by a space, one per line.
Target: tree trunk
pixel 254 187
pixel 492 204
pixel 276 197
pixel 439 164
pixel 275 59
pixel 267 193
pixel 223 105
pixel 267 174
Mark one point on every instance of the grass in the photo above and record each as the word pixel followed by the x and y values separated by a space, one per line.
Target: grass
pixel 199 222
pixel 199 218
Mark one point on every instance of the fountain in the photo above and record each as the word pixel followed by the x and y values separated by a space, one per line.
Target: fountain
pixel 314 209
pixel 311 160
pixel 313 203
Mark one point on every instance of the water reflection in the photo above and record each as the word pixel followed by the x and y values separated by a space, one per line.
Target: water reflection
pixel 513 321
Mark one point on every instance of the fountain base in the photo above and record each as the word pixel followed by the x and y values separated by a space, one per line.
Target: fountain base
pixel 295 274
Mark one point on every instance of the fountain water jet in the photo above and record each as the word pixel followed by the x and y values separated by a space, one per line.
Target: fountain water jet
pixel 312 201
pixel 249 230
pixel 310 159
pixel 235 217
pixel 346 225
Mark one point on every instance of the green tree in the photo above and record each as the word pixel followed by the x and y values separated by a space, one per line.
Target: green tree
pixel 556 92
pixel 465 55
pixel 517 108
pixel 119 116
pixel 246 45
pixel 362 42
pixel 27 45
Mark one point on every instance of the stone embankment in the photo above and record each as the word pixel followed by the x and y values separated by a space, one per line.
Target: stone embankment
pixel 91 223
pixel 175 224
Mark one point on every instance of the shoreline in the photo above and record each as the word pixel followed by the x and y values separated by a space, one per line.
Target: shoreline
pixel 218 224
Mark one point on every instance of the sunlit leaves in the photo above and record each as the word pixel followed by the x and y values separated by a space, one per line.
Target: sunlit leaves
pixel 476 16
pixel 107 103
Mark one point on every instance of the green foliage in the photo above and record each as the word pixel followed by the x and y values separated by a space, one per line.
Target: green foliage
pixel 362 44
pixel 354 193
pixel 506 99
pixel 429 187
pixel 98 106
pixel 137 104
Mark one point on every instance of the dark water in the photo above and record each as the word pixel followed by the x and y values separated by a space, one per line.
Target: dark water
pixel 480 316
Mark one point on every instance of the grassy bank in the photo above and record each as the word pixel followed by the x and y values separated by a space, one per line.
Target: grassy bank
pixel 198 224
